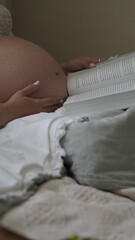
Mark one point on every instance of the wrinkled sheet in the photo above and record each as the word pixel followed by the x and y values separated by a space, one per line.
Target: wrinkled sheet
pixel 62 207
pixel 30 154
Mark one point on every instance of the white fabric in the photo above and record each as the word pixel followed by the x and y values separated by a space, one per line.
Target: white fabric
pixel 30 151
pixel 25 152
pixel 62 207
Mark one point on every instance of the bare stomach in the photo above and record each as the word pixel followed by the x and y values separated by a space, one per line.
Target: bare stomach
pixel 23 63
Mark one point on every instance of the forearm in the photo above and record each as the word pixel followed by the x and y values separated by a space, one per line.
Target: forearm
pixel 6 114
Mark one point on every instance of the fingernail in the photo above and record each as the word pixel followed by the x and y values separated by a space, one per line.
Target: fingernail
pixel 61 101
pixel 92 64
pixel 36 83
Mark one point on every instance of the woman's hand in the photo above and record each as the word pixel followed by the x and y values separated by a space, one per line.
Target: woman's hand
pixel 80 63
pixel 21 104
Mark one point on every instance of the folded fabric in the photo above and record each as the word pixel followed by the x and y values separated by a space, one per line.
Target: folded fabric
pixel 97 150
pixel 30 154
pixel 26 158
pixel 101 152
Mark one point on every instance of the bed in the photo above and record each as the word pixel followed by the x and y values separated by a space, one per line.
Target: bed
pixel 53 185
pixel 52 199
pixel 62 207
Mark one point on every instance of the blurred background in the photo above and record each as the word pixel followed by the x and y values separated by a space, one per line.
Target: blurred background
pixel 72 28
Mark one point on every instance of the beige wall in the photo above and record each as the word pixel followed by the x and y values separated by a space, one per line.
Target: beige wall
pixel 70 28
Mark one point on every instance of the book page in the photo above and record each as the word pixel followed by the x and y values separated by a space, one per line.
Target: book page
pixel 103 91
pixel 107 73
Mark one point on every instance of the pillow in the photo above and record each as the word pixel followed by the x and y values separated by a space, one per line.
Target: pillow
pixel 100 152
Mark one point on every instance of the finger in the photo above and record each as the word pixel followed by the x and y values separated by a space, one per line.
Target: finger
pixel 47 102
pixel 92 65
pixel 51 108
pixel 95 61
pixel 103 59
pixel 88 62
pixel 90 59
pixel 82 64
pixel 30 89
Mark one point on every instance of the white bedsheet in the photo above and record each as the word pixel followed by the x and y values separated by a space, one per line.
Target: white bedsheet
pixel 25 152
pixel 61 207
pixel 30 154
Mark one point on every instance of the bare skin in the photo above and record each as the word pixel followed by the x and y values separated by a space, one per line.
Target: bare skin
pixel 21 104
pixel 81 63
pixel 21 64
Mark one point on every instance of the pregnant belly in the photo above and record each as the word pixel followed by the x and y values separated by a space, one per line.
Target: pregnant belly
pixel 23 63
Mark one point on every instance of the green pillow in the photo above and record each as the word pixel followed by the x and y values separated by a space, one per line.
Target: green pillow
pixel 100 152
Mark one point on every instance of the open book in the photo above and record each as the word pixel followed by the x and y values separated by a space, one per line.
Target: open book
pixel 110 85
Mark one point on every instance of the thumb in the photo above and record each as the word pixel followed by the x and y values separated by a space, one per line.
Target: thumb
pixel 31 88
